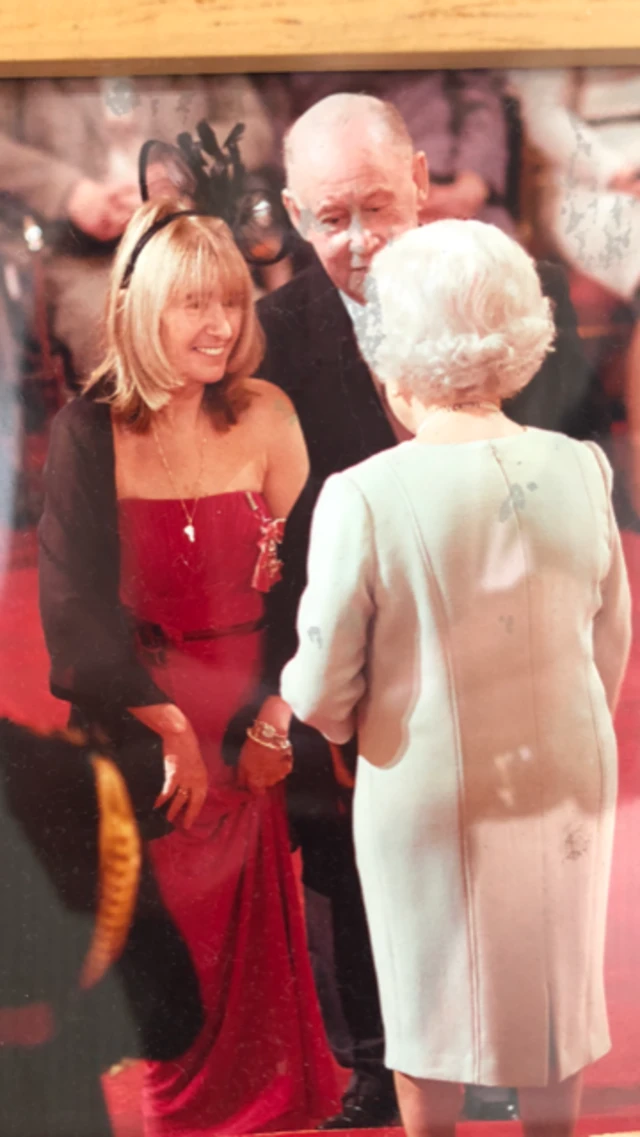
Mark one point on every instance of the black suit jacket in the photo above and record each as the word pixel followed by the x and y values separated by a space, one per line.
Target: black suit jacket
pixel 312 354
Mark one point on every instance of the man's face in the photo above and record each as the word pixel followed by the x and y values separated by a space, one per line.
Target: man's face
pixel 351 194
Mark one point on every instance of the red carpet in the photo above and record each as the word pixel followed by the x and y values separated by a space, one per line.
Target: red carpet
pixel 612 1100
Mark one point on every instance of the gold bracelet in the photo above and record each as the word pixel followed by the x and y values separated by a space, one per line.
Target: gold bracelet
pixel 266 735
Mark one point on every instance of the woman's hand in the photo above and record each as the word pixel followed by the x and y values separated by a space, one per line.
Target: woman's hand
pixel 102 211
pixel 261 767
pixel 185 774
pixel 185 777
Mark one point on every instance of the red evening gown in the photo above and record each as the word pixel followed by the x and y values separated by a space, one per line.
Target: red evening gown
pixel 261 1062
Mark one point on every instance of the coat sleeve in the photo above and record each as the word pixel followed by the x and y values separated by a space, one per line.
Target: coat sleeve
pixel 612 627
pixel 325 680
pixel 87 630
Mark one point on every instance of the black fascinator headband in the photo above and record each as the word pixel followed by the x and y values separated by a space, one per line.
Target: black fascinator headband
pixel 215 181
pixel 161 223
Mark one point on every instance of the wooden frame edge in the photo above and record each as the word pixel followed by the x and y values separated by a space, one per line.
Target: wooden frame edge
pixel 73 37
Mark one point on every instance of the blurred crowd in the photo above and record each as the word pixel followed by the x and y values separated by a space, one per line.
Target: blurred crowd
pixel 551 157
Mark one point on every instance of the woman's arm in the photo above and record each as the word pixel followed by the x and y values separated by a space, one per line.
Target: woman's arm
pixel 87 630
pixel 185 780
pixel 612 626
pixel 325 680
pixel 287 460
pixel 286 473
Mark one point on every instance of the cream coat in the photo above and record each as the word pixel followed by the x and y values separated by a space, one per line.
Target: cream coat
pixel 468 612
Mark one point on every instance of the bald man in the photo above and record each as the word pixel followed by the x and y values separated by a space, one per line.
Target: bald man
pixel 354 183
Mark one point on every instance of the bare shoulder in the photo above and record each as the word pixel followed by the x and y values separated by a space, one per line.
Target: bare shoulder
pixel 269 404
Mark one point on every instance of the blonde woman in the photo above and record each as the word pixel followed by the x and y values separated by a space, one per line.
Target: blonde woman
pixel 468 615
pixel 168 483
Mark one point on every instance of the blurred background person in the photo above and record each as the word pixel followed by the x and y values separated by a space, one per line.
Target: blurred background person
pixel 69 153
pixel 468 614
pixel 584 123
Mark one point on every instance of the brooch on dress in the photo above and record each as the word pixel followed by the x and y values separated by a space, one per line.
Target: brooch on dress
pixel 268 570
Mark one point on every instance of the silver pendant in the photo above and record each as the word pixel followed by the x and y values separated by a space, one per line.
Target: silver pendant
pixel 190 532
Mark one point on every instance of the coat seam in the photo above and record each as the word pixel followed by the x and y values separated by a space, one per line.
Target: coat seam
pixel 472 933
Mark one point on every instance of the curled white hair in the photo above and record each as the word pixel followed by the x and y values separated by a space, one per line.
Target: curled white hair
pixel 455 310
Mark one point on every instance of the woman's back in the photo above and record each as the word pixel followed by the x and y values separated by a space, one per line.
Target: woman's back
pixel 470 601
pixel 488 768
pixel 490 558
pixel 467 615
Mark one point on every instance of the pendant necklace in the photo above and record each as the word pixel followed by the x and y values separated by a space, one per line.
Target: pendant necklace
pixel 189 528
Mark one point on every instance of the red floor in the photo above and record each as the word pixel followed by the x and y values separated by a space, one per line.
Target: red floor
pixel 612 1099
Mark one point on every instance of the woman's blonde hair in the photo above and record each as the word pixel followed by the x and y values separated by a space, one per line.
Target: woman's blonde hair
pixel 192 256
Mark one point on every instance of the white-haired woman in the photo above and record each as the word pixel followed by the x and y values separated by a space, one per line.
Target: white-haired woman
pixel 167 484
pixel 467 613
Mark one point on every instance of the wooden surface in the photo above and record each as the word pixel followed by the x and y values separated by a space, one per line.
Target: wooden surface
pixel 119 36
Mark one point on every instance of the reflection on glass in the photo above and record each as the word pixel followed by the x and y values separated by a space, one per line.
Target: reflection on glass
pixel 166 581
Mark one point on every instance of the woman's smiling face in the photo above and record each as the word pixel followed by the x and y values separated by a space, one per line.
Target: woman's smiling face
pixel 199 335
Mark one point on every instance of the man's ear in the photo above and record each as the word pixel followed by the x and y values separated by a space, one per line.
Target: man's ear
pixel 293 209
pixel 397 391
pixel 421 179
